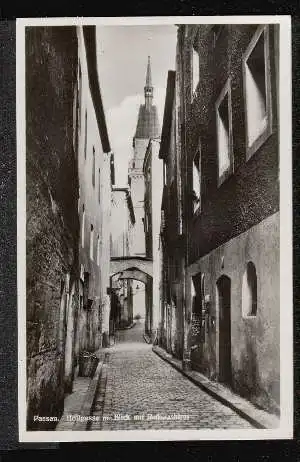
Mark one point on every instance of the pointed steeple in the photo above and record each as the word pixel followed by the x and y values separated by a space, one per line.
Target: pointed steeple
pixel 148 123
pixel 148 89
pixel 148 75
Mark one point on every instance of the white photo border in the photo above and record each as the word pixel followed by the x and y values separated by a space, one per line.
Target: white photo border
pixel 285 430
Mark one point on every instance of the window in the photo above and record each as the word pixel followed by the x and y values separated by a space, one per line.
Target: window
pixel 98 250
pixel 216 30
pixel 85 134
pixel 93 168
pixel 257 91
pixel 92 243
pixel 197 181
pixel 82 226
pixel 165 172
pixel 99 186
pixel 249 291
pixel 224 134
pixel 195 70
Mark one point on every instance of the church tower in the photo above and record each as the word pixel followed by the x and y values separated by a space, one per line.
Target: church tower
pixel 147 127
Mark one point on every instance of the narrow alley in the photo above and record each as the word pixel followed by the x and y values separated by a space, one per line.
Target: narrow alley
pixel 144 392
pixel 152 228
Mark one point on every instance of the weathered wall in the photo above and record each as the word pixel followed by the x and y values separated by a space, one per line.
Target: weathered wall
pixel 254 340
pixel 52 219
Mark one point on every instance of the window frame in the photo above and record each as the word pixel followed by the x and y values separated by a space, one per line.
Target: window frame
pixel 194 52
pixel 92 243
pixel 252 314
pixel 85 133
pixel 262 138
pixel 197 206
pixel 99 186
pixel 226 90
pixel 94 167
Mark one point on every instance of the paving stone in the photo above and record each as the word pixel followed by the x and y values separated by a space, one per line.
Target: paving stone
pixel 140 383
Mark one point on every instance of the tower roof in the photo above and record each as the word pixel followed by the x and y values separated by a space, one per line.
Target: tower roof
pixel 148 123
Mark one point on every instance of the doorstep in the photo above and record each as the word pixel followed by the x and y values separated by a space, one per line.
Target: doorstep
pixel 257 417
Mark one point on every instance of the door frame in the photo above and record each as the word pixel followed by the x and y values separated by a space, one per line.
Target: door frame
pixel 218 332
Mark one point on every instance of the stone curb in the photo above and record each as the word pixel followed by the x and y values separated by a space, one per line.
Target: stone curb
pixel 245 409
pixel 88 403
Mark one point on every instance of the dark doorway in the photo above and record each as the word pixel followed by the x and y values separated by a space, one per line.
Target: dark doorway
pixel 224 295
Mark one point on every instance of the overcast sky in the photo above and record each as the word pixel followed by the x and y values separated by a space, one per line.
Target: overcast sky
pixel 122 59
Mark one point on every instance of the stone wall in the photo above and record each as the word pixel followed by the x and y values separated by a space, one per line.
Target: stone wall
pixel 51 210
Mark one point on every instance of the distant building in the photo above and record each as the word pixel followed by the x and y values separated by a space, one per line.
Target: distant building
pixel 122 222
pixel 147 127
pixel 227 158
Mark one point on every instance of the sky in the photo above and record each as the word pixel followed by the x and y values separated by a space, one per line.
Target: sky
pixel 122 53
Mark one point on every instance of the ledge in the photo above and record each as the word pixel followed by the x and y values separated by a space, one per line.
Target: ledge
pixel 88 403
pixel 256 417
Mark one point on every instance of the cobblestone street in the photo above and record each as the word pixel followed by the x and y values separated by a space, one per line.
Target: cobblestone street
pixel 139 383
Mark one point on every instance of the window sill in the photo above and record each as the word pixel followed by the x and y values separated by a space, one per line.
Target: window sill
pixel 227 174
pixel 257 144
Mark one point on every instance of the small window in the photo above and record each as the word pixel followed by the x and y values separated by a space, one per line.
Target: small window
pixel 224 134
pixel 196 294
pixel 85 134
pixel 82 226
pixel 197 181
pixel 93 168
pixel 249 291
pixel 98 250
pixel 92 243
pixel 99 186
pixel 257 91
pixel 195 70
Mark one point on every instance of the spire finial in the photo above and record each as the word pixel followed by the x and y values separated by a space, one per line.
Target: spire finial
pixel 148 75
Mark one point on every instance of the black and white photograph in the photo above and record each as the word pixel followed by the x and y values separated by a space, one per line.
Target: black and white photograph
pixel 154 228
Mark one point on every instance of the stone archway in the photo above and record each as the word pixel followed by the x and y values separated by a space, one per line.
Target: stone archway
pixel 134 269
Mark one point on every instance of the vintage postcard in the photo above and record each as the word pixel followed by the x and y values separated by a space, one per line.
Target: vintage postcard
pixel 154 228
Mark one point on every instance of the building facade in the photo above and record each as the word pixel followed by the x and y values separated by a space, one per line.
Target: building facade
pixel 228 155
pixel 95 183
pixel 172 250
pixel 153 174
pixel 68 180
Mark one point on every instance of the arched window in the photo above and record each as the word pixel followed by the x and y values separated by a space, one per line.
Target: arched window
pixel 249 291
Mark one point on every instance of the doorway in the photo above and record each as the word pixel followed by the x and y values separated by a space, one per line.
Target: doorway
pixel 224 304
